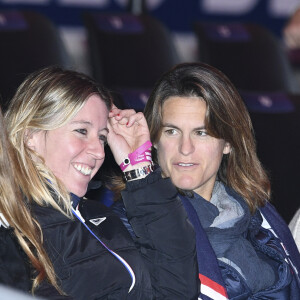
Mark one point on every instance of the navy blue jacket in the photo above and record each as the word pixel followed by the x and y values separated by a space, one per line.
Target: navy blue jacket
pixel 218 280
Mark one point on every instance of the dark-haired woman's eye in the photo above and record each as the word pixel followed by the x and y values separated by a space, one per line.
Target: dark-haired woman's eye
pixel 171 131
pixel 201 132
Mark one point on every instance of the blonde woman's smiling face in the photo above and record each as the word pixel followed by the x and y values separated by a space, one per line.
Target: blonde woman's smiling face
pixel 75 151
pixel 186 153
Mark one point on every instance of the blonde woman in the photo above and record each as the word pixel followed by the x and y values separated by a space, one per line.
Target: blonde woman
pixel 58 123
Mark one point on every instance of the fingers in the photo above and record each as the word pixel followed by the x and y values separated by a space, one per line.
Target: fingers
pixel 114 111
pixel 126 117
pixel 121 113
pixel 137 118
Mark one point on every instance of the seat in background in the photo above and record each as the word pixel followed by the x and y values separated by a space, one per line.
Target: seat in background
pixel 128 52
pixel 28 42
pixel 276 121
pixel 249 54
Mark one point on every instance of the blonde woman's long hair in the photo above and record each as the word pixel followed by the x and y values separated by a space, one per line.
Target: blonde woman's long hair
pixel 17 214
pixel 46 100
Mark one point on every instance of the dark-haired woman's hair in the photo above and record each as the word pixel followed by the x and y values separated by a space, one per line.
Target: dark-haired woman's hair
pixel 226 118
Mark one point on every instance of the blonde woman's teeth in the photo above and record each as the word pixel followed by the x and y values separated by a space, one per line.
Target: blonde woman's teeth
pixel 83 169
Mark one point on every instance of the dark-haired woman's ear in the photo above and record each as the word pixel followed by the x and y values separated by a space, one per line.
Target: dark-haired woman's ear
pixel 227 148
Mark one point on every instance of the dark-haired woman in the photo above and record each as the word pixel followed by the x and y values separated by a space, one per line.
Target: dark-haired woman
pixel 203 140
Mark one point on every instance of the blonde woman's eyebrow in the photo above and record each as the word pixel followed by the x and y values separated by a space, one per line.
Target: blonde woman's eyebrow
pixel 82 122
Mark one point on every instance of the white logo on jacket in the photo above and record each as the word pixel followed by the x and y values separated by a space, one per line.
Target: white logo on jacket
pixel 97 221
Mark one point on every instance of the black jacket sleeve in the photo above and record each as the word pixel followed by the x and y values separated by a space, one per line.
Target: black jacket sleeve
pixel 14 265
pixel 164 236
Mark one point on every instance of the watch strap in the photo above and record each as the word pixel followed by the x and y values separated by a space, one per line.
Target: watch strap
pixel 137 173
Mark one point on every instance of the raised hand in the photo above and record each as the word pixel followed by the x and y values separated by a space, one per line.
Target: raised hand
pixel 128 130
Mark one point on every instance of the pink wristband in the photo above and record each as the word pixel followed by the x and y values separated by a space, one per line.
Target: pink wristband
pixel 141 154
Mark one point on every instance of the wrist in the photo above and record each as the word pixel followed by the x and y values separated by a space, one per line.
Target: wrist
pixel 138 173
pixel 137 166
pixel 141 155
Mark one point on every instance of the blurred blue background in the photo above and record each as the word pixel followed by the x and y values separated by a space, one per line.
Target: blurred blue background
pixel 177 15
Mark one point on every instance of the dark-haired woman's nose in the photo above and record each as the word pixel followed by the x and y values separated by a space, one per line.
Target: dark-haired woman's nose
pixel 186 146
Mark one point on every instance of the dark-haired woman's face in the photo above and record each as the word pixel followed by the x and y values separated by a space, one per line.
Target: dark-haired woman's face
pixel 75 151
pixel 186 153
